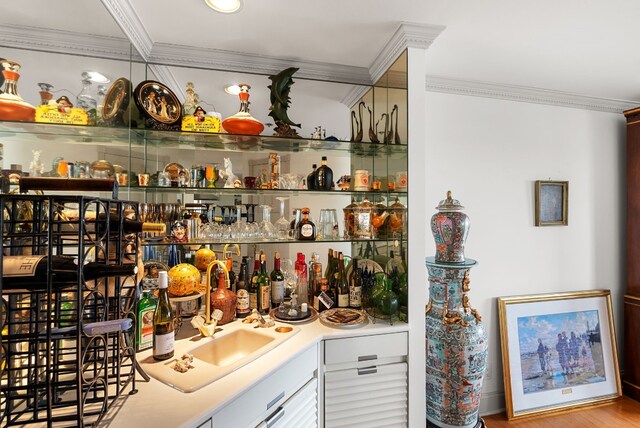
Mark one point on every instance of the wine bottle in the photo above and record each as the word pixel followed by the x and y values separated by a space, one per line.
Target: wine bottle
pixel 253 284
pixel 306 229
pixel 324 299
pixel 264 287
pixel 146 309
pixel 31 271
pixel 311 178
pixel 324 176
pixel 128 225
pixel 355 287
pixel 243 306
pixel 232 275
pixel 163 328
pixel 342 287
pixel 277 282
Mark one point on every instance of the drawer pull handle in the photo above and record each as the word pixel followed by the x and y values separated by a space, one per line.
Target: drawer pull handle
pixel 275 400
pixel 367 370
pixel 275 417
pixel 368 357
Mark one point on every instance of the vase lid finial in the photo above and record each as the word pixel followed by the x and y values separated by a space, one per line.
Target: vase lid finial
pixel 449 204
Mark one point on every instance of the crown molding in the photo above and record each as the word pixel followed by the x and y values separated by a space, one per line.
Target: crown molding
pixel 527 94
pixel 164 75
pixel 407 35
pixel 217 59
pixel 126 17
pixel 65 42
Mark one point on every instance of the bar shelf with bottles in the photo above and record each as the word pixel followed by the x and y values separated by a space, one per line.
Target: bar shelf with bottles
pixel 67 349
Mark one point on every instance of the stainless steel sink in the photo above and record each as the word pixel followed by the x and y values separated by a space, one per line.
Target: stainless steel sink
pixel 213 358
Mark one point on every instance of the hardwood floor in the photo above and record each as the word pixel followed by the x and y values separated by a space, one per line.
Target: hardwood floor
pixel 623 413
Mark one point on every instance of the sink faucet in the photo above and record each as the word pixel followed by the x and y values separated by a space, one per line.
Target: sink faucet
pixel 207 317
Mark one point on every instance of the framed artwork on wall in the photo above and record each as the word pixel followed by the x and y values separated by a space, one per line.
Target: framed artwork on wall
pixel 558 351
pixel 552 203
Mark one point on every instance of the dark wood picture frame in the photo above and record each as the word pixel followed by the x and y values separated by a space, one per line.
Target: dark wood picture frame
pixel 552 203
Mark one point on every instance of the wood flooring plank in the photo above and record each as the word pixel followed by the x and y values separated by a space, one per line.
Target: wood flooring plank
pixel 622 413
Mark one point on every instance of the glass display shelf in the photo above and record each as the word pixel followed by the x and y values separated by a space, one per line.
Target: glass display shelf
pixel 269 192
pixel 231 241
pixel 121 136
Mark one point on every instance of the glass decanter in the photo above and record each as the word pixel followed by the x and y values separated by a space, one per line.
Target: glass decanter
pixel 86 101
pixel 12 106
pixel 267 229
pixel 282 225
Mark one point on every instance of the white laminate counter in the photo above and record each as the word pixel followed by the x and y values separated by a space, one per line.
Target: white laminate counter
pixel 159 405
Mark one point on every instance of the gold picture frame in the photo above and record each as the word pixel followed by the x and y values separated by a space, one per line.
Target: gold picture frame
pixel 552 203
pixel 558 352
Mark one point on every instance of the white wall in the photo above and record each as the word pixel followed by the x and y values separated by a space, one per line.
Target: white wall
pixel 489 153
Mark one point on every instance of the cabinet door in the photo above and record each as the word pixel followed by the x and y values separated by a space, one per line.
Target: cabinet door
pixel 300 411
pixel 367 397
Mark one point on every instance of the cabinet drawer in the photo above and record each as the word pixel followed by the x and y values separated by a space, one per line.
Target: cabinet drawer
pixel 265 397
pixel 300 411
pixel 365 348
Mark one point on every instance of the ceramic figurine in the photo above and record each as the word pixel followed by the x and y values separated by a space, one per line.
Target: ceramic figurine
pixel 12 106
pixel 36 167
pixel 456 341
pixel 231 180
pixel 280 88
pixel 191 100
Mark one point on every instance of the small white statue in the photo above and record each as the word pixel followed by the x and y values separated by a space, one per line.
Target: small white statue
pixel 191 101
pixel 36 168
pixel 232 180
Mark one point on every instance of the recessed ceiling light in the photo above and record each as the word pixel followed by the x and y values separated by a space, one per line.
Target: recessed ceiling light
pixel 224 6
pixel 232 89
pixel 95 76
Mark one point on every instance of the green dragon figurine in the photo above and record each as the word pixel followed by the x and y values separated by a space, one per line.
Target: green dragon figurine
pixel 280 88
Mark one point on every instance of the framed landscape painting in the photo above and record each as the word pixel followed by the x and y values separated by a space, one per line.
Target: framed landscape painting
pixel 558 351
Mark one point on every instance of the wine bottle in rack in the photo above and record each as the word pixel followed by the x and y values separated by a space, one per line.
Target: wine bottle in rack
pixel 31 271
pixel 128 225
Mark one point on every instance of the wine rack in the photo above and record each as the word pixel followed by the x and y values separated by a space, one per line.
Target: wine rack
pixel 67 349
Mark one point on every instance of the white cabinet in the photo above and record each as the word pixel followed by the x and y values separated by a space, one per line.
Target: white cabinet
pixel 273 393
pixel 300 411
pixel 365 381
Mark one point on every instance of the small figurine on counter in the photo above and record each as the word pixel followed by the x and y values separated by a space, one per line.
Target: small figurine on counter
pixel 36 167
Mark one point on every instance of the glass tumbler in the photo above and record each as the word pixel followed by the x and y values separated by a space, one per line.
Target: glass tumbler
pixel 328 227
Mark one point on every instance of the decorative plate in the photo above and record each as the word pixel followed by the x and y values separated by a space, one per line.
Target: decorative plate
pixel 158 104
pixel 343 318
pixel 116 101
pixel 370 264
pixel 312 315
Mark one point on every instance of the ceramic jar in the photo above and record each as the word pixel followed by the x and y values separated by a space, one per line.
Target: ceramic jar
pixel 450 227
pixel 184 279
pixel 456 348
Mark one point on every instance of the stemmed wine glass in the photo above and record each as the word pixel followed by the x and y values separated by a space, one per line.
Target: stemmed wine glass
pixel 290 281
pixel 282 225
pixel 267 229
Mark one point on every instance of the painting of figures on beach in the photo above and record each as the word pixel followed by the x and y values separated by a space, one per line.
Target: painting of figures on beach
pixel 560 350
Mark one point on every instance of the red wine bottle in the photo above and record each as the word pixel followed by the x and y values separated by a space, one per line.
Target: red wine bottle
pixel 31 271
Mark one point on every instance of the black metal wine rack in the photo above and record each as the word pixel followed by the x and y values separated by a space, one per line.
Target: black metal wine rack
pixel 53 372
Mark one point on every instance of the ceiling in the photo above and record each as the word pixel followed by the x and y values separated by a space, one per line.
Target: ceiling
pixel 583 47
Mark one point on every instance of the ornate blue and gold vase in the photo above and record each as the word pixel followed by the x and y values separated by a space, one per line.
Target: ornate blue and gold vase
pixel 456 341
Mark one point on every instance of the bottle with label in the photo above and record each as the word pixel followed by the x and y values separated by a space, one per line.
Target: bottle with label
pixel 264 287
pixel 253 284
pixel 342 286
pixel 355 287
pixel 324 176
pixel 224 299
pixel 31 271
pixel 146 308
pixel 324 299
pixel 306 229
pixel 277 282
pixel 311 178
pixel 302 286
pixel 315 273
pixel 243 307
pixel 163 327
pixel 327 269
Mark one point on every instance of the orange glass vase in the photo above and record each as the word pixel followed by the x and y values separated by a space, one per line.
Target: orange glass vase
pixel 12 106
